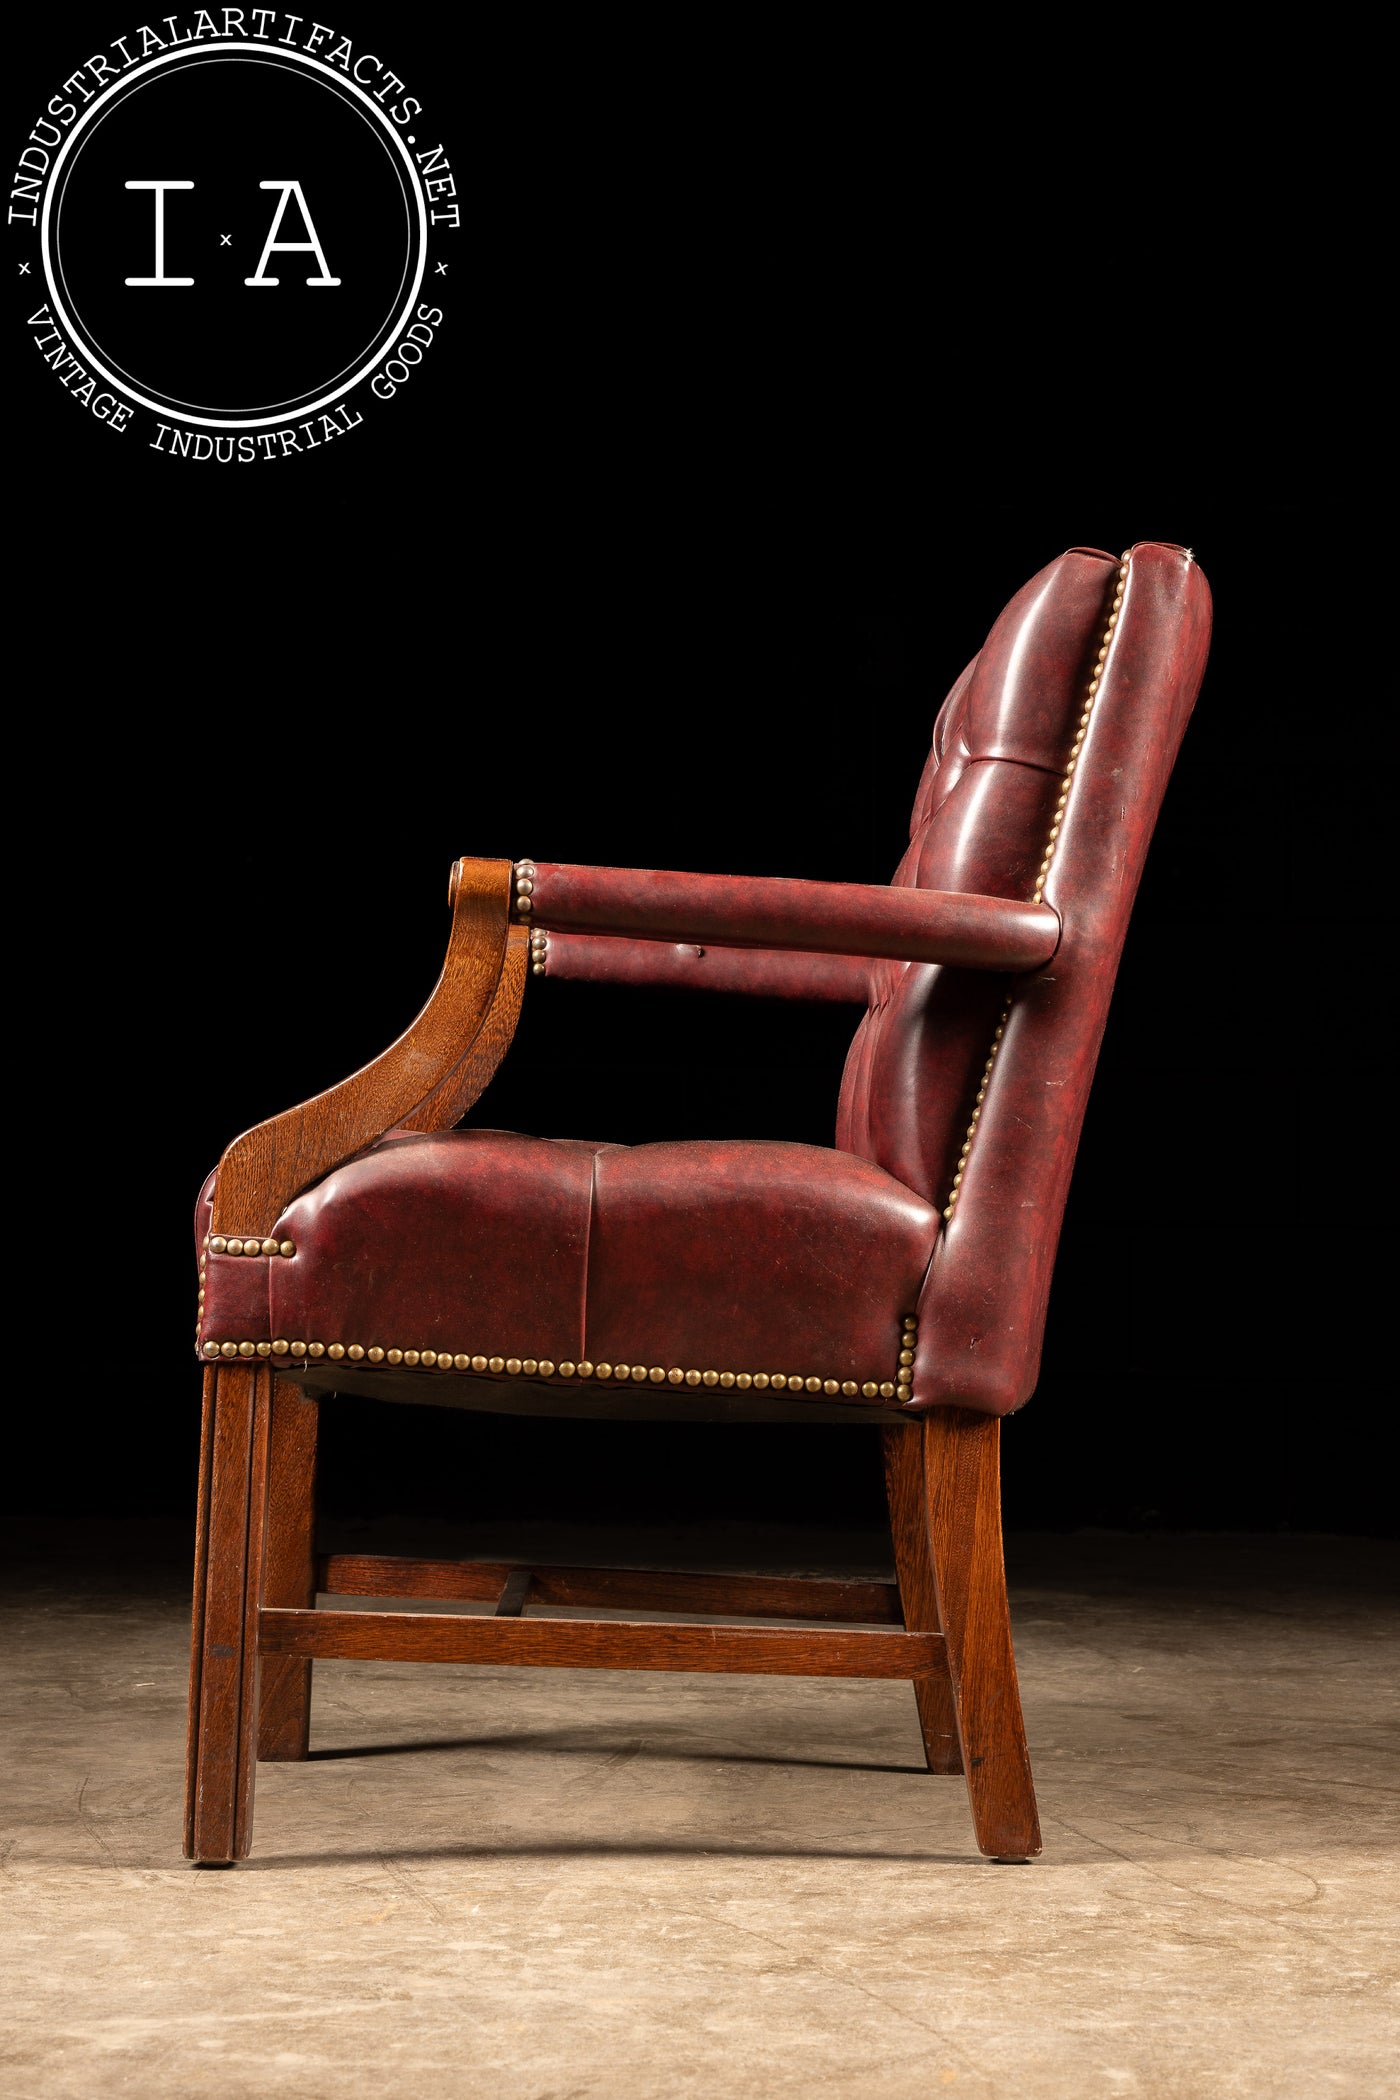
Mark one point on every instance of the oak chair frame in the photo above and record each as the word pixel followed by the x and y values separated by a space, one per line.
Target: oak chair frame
pixel 944 1625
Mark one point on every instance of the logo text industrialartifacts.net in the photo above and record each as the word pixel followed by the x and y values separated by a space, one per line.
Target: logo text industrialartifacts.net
pixel 231 229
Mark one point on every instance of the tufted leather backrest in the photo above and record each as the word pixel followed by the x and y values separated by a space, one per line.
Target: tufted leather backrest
pixel 917 1074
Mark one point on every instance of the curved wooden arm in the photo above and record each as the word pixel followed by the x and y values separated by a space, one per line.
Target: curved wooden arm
pixel 425 1081
pixel 764 911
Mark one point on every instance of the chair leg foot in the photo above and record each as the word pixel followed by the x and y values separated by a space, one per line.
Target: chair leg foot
pixel 962 1487
pixel 289 1575
pixel 224 1642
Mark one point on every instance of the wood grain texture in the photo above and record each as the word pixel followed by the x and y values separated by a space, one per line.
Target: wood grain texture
pixel 471 1076
pixel 220 1780
pixel 289 1568
pixel 584 1644
pixel 261 1171
pixel 904 1485
pixel 618 1589
pixel 962 1484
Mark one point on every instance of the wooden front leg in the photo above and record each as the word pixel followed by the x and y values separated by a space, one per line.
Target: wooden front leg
pixel 289 1569
pixel 962 1493
pixel 229 1539
pixel 918 1595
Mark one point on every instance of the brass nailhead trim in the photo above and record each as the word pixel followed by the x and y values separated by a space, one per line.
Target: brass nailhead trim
pixel 524 888
pixel 897 1388
pixel 539 950
pixel 1044 871
pixel 219 1244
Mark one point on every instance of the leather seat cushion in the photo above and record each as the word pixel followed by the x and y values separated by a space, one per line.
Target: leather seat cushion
pixel 786 1260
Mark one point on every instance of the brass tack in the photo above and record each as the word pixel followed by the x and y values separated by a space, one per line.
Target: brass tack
pixel 870 1389
pixel 269 1246
pixel 759 1381
pixel 287 1250
pixel 911 1320
pixel 657 1374
pixel 218 1246
pixel 536 970
pixel 814 1385
pixel 778 1381
pixel 568 1370
pixel 478 1363
pixel 743 1380
pixel 336 1351
pixel 410 1357
pixel 676 1377
pixel 639 1371
pixel 298 1348
pixel 233 1246
pixel 228 1349
pixel 246 1349
pixel 622 1370
pixel 709 1377
pixel 599 1371
pixel 513 1366
pixel 523 906
pixel 393 1356
pixel 887 1389
pixel 949 1211
pixel 831 1385
pixel 725 1378
pixel 546 1367
pixel 849 1388
pixel 906 1356
pixel 264 1348
pixel 528 1365
pixel 211 1348
pixel 279 1348
pixel 496 1363
pixel 585 1369
pixel 461 1363
pixel 356 1353
pixel 524 887
pixel 693 1377
pixel 205 1243
pixel 375 1355
pixel 428 1357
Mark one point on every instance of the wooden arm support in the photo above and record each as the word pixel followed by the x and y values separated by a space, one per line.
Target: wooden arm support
pixel 841 918
pixel 425 1081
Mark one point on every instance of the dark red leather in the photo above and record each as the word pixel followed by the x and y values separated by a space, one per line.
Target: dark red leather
pixel 975 932
pixel 766 973
pixel 787 1259
pixel 983 1306
pixel 740 1257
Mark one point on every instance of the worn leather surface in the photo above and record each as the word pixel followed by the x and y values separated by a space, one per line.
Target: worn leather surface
pixel 747 1257
pixel 766 973
pixel 794 1259
pixel 911 921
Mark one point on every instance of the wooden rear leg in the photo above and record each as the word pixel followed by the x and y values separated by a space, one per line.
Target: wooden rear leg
pixel 228 1577
pixel 962 1493
pixel 289 1569
pixel 918 1595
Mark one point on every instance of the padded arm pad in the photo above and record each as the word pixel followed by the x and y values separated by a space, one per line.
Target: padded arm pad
pixel 834 918
pixel 765 973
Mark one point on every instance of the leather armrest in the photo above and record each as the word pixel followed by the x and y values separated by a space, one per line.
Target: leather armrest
pixel 834 918
pixel 764 973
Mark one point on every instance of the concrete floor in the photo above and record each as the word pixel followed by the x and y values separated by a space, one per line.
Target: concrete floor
pixel 546 1885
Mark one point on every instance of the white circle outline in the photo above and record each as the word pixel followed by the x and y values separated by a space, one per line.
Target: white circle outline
pixel 242 422
pixel 190 409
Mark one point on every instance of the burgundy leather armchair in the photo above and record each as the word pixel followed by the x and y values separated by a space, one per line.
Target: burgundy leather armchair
pixel 364 1243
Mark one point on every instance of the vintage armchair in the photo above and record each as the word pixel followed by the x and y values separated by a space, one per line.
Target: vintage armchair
pixel 362 1243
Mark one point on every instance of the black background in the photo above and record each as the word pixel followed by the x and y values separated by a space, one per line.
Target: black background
pixel 667 556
